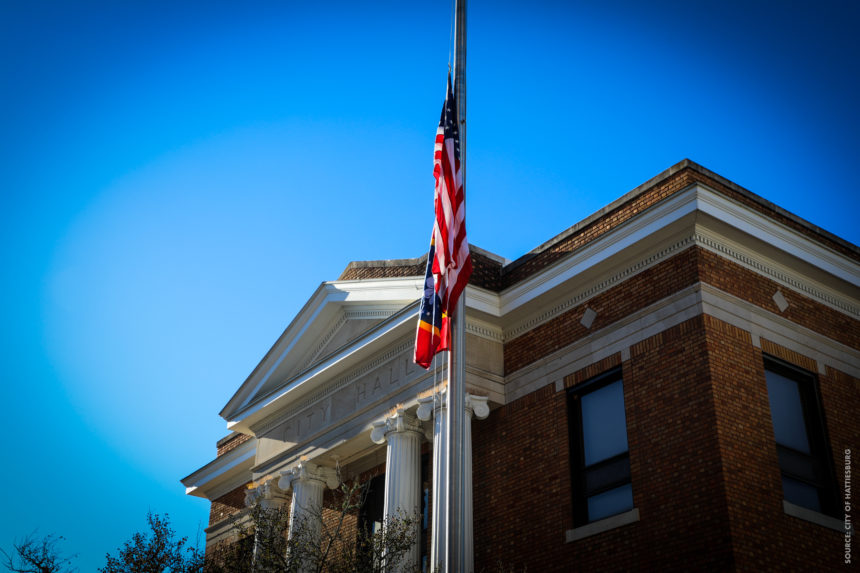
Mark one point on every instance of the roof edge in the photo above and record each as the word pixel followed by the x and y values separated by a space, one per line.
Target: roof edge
pixel 390 263
pixel 659 178
pixel 384 263
pixel 773 207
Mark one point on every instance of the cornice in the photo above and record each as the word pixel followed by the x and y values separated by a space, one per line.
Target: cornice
pixel 747 260
pixel 664 176
pixel 369 314
pixel 222 474
pixel 697 299
pixel 484 330
pixel 602 286
pixel 701 198
pixel 483 300
pixel 667 228
pixel 377 360
pixel 777 234
pixel 629 233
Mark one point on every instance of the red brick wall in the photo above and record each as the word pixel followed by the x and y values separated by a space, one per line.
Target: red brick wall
pixel 228 504
pixel 763 536
pixel 686 268
pixel 840 397
pixel 522 489
pixel 674 456
pixel 705 474
pixel 647 287
pixel 231 442
pixel 758 290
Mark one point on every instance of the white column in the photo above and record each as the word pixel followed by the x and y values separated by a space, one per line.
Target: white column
pixel 437 406
pixel 403 433
pixel 477 406
pixel 308 482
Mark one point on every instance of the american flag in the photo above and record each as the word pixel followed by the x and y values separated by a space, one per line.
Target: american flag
pixel 449 249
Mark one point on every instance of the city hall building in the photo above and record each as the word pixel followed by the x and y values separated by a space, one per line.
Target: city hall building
pixel 669 384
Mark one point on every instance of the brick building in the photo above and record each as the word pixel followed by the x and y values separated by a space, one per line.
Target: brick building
pixel 670 384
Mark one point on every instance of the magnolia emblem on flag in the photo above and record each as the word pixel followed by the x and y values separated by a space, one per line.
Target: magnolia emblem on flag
pixel 449 263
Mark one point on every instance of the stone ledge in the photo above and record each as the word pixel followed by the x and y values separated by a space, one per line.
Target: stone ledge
pixel 602 525
pixel 813 516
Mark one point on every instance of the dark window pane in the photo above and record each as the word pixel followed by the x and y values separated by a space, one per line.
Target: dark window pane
pixel 798 465
pixel 604 426
pixel 610 502
pixel 786 409
pixel 607 474
pixel 425 508
pixel 800 493
pixel 373 510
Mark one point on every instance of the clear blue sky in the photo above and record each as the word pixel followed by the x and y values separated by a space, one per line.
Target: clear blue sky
pixel 176 178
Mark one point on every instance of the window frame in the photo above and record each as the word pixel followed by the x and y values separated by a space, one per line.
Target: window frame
pixel 820 457
pixel 578 470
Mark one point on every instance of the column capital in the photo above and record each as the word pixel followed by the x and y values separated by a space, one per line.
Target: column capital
pixel 428 406
pixel 477 405
pixel 397 422
pixel 308 471
pixel 265 492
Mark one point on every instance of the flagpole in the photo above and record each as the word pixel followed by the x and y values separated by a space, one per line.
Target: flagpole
pixel 457 552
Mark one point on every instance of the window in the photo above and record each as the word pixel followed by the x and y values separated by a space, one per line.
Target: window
pixel 801 441
pixel 372 512
pixel 600 463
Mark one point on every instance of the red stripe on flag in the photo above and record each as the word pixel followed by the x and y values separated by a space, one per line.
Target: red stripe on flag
pixel 451 264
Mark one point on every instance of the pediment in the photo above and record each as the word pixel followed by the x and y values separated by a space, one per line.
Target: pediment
pixel 348 325
pixel 337 315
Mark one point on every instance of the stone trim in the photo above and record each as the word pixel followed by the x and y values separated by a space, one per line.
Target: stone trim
pixel 697 299
pixel 339 383
pixel 602 525
pixel 676 179
pixel 700 240
pixel 484 330
pixel 345 316
pixel 314 354
pixel 774 328
pixel 223 474
pixel 603 286
pixel 748 262
pixel 613 339
pixel 815 517
pixel 228 529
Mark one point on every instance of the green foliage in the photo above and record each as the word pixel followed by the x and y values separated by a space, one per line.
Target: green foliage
pixel 157 551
